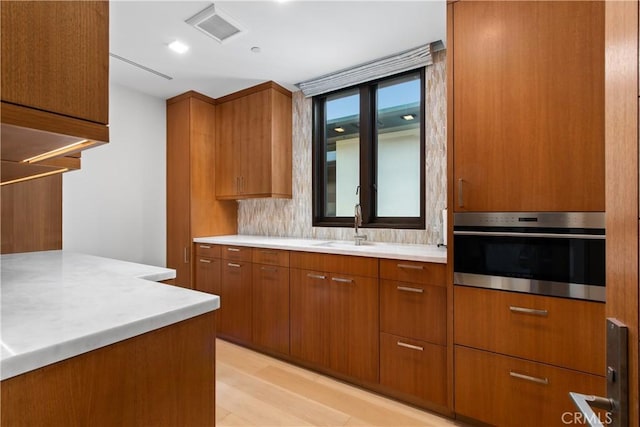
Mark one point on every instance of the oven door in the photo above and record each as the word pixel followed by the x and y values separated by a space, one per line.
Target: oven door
pixel 555 264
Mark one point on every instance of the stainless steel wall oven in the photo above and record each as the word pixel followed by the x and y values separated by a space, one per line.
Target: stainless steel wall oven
pixel 548 253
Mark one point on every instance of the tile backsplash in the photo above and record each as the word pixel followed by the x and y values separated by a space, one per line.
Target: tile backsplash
pixel 293 217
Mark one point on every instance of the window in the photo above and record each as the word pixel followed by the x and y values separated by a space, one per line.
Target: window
pixel 368 148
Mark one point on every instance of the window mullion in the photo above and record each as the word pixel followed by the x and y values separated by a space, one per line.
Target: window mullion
pixel 365 153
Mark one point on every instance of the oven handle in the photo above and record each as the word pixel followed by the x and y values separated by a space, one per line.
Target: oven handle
pixel 545 235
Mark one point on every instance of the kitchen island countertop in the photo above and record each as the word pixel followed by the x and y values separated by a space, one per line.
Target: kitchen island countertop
pixel 403 251
pixel 58 304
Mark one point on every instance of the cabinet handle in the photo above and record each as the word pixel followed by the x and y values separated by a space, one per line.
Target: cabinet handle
pixel 268 252
pixel 544 381
pixel 231 264
pixel 411 346
pixel 206 261
pixel 205 247
pixel 186 255
pixel 408 289
pixel 268 268
pixel 341 280
pixel 410 267
pixel 233 249
pixel 460 194
pixel 316 276
pixel 242 184
pixel 524 310
pixel 237 185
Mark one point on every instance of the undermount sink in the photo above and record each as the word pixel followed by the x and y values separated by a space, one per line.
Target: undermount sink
pixel 345 244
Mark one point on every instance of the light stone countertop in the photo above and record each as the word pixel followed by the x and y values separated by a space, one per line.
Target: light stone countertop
pixel 408 252
pixel 58 304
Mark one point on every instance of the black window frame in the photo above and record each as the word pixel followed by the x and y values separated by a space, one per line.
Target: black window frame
pixel 368 156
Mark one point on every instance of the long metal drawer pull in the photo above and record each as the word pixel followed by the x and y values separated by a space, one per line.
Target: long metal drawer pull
pixel 411 267
pixel 316 276
pixel 408 289
pixel 544 381
pixel 205 247
pixel 186 255
pixel 269 252
pixel 460 194
pixel 524 310
pixel 233 249
pixel 341 280
pixel 411 346
pixel 231 264
pixel 268 268
pixel 206 261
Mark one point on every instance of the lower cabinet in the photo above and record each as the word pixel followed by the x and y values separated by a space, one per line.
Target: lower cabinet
pixel 415 368
pixel 270 301
pixel 234 316
pixel 508 391
pixel 334 322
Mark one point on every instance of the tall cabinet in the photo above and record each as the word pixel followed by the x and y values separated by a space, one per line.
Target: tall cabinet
pixel 192 208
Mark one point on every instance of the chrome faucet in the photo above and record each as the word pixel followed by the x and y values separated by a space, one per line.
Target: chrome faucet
pixel 357 223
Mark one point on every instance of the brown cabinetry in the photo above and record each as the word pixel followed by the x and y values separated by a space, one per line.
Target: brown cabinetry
pixel 192 209
pixel 55 83
pixel 254 143
pixel 526 352
pixel 270 300
pixel 413 306
pixel 334 317
pixel 235 313
pixel 528 105
pixel 207 268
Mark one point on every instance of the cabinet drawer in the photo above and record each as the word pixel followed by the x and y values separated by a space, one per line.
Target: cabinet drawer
pixel 358 266
pixel 207 250
pixel 413 272
pixel 506 391
pixel 236 253
pixel 558 331
pixel 414 311
pixel 414 367
pixel 270 257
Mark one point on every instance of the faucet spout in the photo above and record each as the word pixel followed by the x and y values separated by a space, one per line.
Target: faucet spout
pixel 357 222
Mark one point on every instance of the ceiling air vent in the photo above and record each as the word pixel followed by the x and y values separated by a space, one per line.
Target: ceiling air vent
pixel 216 24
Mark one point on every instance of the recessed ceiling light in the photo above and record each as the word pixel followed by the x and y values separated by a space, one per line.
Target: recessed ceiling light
pixel 408 117
pixel 339 129
pixel 179 47
pixel 255 49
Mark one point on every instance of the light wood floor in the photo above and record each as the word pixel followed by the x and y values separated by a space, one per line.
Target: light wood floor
pixel 256 390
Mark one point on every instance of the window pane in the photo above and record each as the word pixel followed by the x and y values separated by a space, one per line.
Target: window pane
pixel 342 151
pixel 398 147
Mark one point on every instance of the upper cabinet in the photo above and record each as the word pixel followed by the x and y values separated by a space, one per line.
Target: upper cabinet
pixel 253 141
pixel 55 84
pixel 528 106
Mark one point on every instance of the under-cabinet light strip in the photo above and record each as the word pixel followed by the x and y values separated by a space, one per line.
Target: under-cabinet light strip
pixel 40 175
pixel 59 151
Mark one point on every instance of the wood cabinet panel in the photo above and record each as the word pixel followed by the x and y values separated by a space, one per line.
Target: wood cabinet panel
pixel 507 391
pixel 270 257
pixel 254 143
pixel 31 217
pixel 504 322
pixel 270 295
pixel 334 322
pixel 358 266
pixel 208 250
pixel 414 311
pixel 207 275
pixel 235 313
pixel 164 377
pixel 55 57
pixel 414 367
pixel 413 272
pixel 236 253
pixel 528 126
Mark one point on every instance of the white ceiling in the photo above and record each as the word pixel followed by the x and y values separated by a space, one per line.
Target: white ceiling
pixel 299 40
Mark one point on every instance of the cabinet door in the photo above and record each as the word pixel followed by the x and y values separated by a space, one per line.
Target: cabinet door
pixel 334 322
pixel 55 57
pixel 270 293
pixel 207 272
pixel 235 301
pixel 255 143
pixel 528 106
pixel 227 150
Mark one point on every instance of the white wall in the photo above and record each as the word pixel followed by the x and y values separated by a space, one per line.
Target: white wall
pixel 115 205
